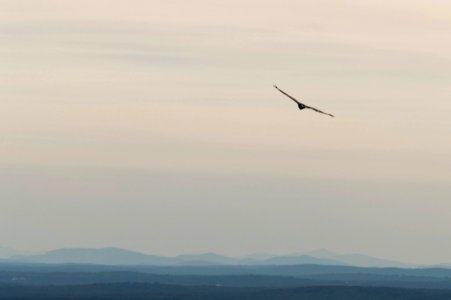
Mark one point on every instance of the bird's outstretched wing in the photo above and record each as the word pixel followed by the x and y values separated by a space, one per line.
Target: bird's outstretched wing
pixel 321 112
pixel 292 98
pixel 299 103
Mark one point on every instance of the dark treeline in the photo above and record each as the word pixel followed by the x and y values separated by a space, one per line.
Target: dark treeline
pixel 157 291
pixel 39 282
pixel 267 281
pixel 273 270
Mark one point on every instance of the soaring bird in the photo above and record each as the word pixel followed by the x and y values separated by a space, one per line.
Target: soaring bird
pixel 301 105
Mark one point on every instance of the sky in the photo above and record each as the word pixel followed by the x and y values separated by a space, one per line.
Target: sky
pixel 154 126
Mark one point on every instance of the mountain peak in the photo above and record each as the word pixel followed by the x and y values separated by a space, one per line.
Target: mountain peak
pixel 321 253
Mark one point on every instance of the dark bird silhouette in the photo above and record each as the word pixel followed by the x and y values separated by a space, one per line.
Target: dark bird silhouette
pixel 301 105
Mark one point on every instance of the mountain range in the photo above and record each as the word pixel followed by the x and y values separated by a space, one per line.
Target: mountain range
pixel 117 256
pixel 7 252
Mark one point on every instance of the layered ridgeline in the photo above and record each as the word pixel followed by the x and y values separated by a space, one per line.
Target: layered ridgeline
pixel 116 256
pixel 112 273
pixel 7 252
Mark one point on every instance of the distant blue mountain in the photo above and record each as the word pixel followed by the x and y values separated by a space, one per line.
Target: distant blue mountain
pixel 7 252
pixel 206 259
pixel 102 256
pixel 358 260
pixel 117 256
pixel 299 260
pixel 361 260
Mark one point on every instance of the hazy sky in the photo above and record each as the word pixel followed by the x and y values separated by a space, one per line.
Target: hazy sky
pixel 154 126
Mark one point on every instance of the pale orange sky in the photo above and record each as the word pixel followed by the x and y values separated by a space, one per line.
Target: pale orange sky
pixel 140 97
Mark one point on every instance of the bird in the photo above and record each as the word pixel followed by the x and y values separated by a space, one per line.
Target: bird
pixel 302 106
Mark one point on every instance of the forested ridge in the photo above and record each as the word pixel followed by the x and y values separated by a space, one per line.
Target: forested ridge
pixel 120 291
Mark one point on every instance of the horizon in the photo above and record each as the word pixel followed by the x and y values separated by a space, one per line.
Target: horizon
pixel 314 253
pixel 151 253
